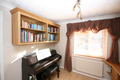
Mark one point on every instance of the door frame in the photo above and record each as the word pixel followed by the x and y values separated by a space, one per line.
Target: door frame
pixel 1 46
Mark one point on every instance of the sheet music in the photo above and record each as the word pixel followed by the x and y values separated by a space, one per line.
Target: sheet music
pixel 44 53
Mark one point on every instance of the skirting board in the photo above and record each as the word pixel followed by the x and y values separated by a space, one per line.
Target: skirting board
pixel 86 74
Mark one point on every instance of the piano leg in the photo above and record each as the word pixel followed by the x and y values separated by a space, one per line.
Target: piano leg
pixel 58 72
pixel 42 76
pixel 25 76
pixel 49 77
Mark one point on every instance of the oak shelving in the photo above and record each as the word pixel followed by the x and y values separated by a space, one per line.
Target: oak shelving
pixel 20 16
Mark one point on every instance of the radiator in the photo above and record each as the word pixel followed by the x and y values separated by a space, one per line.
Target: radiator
pixel 89 66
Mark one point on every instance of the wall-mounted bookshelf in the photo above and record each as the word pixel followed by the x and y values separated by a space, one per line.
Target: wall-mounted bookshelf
pixel 28 28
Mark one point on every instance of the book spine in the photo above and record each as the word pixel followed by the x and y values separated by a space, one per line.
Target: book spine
pixel 25 24
pixel 40 37
pixel 26 36
pixel 42 27
pixel 39 27
pixel 36 26
pixel 57 30
pixel 53 29
pixel 21 36
pixel 35 38
pixel 31 37
pixel 22 23
pixel 31 26
pixel 51 38
pixel 43 36
pixel 48 36
pixel 48 29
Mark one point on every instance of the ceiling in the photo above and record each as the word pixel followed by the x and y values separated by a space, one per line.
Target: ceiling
pixel 60 10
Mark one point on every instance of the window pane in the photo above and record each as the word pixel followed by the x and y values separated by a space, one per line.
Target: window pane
pixel 96 44
pixel 81 43
pixel 89 43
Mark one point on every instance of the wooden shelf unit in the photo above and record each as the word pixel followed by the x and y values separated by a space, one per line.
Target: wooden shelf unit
pixel 115 74
pixel 19 14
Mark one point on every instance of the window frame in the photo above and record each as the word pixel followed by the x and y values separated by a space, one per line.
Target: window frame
pixel 105 34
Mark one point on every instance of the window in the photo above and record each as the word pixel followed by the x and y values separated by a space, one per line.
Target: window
pixel 90 44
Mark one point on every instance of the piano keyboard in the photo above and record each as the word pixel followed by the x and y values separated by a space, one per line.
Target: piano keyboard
pixel 47 64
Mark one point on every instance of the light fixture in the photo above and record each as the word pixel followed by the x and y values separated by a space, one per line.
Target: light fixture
pixel 78 5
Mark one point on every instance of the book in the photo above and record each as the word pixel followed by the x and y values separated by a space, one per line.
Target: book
pixel 22 23
pixel 43 36
pixel 21 36
pixel 27 36
pixel 55 30
pixel 48 29
pixel 31 37
pixel 31 26
pixel 35 38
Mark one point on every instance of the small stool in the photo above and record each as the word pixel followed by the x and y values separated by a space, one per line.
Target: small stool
pixel 50 70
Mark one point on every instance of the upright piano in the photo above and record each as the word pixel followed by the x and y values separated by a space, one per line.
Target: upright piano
pixel 31 66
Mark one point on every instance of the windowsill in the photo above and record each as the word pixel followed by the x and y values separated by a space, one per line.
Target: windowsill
pixel 90 57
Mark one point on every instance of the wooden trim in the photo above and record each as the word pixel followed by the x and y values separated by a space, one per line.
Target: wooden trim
pixel 115 66
pixel 16 28
pixel 32 29
pixel 37 42
pixel 89 56
pixel 53 33
pixel 89 40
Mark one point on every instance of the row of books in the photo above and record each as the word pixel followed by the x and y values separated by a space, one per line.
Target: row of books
pixel 31 26
pixel 52 37
pixel 27 36
pixel 53 29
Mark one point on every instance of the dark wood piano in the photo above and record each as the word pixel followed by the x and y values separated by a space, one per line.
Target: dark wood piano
pixel 31 66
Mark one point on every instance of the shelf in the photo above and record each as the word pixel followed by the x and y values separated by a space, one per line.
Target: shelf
pixel 52 41
pixel 37 42
pixel 33 29
pixel 115 66
pixel 27 27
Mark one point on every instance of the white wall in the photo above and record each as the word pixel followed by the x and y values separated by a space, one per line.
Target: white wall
pixel 61 46
pixel 13 53
pixel 1 46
